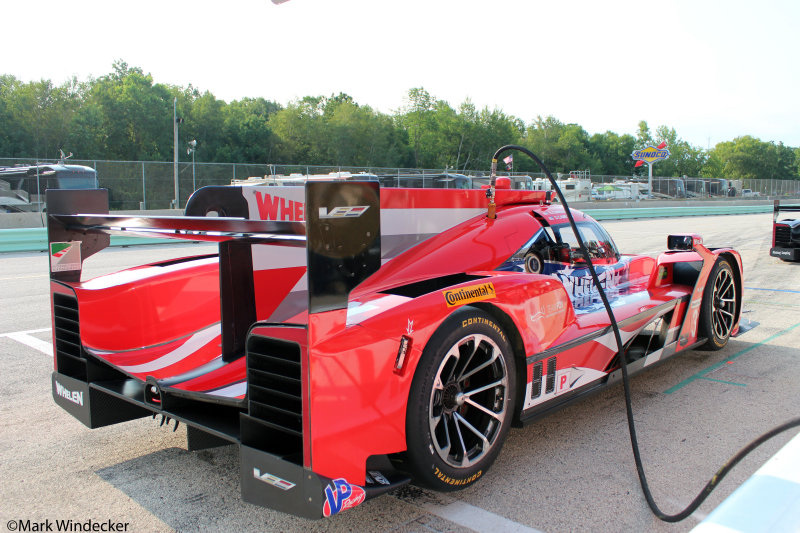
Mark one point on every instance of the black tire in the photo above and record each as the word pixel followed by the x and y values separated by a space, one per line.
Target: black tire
pixel 533 263
pixel 456 420
pixel 720 302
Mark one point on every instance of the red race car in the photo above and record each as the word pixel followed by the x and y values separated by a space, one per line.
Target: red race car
pixel 350 338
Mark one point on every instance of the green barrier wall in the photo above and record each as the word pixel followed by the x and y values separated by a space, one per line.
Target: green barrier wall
pixel 35 239
pixel 656 212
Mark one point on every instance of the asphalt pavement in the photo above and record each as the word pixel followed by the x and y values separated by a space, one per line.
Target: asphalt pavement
pixel 572 471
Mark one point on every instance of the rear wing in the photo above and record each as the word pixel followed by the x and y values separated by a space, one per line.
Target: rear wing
pixel 341 234
pixel 778 208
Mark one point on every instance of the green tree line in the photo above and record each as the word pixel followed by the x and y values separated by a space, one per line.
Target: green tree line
pixel 125 115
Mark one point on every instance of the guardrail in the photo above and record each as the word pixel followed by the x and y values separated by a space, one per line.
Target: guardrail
pixel 35 239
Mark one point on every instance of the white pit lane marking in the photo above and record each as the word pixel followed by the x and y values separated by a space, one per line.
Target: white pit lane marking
pixel 27 339
pixel 476 519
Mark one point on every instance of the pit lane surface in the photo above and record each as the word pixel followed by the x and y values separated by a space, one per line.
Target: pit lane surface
pixel 572 471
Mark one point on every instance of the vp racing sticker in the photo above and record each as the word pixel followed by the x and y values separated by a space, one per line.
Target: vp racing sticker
pixel 65 256
pixel 341 495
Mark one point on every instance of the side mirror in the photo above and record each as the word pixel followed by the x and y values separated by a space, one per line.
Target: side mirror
pixel 683 242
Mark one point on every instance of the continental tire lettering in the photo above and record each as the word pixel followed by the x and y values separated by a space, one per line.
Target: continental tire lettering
pixel 480 320
pixel 441 476
pixel 465 295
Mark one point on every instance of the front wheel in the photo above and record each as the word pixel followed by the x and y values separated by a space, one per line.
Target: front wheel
pixel 534 263
pixel 461 401
pixel 718 310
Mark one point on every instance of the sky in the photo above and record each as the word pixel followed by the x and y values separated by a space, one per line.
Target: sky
pixel 712 70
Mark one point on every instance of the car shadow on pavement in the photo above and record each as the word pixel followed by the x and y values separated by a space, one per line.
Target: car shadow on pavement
pixel 200 491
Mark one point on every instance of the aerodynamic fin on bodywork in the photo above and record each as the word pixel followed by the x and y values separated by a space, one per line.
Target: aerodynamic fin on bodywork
pixel 67 246
pixel 344 240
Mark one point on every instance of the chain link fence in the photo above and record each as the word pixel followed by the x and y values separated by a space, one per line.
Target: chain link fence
pixel 150 185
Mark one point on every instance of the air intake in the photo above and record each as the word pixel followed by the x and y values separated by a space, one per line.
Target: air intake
pixel 783 235
pixel 67 335
pixel 536 384
pixel 551 375
pixel 274 395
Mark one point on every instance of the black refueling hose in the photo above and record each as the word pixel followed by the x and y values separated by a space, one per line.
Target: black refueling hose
pixel 730 463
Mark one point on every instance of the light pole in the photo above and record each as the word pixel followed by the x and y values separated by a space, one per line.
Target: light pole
pixel 175 122
pixel 191 150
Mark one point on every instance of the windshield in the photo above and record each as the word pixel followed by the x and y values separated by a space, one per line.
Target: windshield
pixel 552 248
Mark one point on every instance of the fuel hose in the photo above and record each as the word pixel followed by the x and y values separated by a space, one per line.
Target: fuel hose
pixel 730 463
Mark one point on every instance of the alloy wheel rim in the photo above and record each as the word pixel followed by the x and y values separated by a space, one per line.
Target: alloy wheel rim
pixel 723 304
pixel 468 402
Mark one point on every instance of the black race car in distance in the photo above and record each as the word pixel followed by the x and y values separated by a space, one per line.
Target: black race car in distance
pixel 785 233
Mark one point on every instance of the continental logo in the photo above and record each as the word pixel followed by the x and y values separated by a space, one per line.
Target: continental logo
pixel 480 320
pixel 465 295
pixel 651 154
pixel 441 476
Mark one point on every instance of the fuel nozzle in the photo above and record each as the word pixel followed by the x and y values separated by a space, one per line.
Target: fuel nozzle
pixel 492 207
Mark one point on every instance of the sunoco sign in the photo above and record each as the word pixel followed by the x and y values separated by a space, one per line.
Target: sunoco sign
pixel 650 155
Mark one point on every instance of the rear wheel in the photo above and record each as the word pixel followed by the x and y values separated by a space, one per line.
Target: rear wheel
pixel 461 401
pixel 718 310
